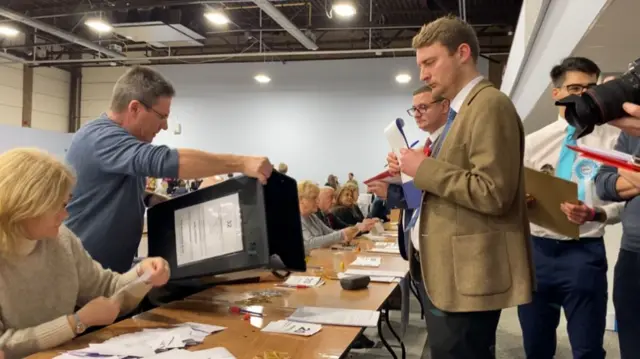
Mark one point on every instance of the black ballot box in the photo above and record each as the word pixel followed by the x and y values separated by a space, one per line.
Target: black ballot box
pixel 235 225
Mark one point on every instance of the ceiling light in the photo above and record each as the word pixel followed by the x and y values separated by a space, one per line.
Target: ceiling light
pixel 8 31
pixel 98 25
pixel 403 78
pixel 343 9
pixel 262 78
pixel 217 17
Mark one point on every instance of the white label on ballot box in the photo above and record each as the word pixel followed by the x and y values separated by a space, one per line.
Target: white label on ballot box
pixel 208 230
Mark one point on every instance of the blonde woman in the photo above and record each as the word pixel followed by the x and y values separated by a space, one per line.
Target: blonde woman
pixel 45 273
pixel 346 209
pixel 315 233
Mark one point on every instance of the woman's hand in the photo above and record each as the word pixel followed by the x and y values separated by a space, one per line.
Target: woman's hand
pixel 158 269
pixel 99 311
pixel 349 233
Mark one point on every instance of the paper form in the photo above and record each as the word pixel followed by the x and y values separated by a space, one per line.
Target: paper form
pixel 363 261
pixel 208 230
pixel 303 280
pixel 376 272
pixel 373 278
pixel 288 327
pixel 336 316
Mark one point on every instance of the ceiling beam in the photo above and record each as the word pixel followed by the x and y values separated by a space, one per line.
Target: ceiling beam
pixel 281 20
pixel 12 15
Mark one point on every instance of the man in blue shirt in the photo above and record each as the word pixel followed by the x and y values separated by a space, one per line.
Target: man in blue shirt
pixel 113 155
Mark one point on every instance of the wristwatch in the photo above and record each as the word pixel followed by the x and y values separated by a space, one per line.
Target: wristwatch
pixel 80 326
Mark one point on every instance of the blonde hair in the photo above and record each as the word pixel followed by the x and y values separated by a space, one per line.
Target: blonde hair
pixel 307 189
pixel 451 32
pixel 32 183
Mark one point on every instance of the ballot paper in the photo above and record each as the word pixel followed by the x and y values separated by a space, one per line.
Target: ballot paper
pixel 336 316
pixel 303 280
pixel 363 261
pixel 140 281
pixel 148 342
pixel 377 229
pixel 295 328
pixel 385 247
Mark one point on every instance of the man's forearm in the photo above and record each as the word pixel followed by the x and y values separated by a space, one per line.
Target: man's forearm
pixel 626 189
pixel 198 164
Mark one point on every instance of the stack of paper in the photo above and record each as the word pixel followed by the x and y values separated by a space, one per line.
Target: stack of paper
pixel 363 261
pixel 336 316
pixel 303 281
pixel 148 342
pixel 288 327
pixel 375 275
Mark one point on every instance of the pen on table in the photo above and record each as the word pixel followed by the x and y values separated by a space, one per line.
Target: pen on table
pixel 244 311
pixel 295 286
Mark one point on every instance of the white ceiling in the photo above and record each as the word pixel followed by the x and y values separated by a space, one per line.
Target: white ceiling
pixel 612 42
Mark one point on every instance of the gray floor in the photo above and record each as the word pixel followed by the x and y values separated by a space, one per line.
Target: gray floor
pixel 509 341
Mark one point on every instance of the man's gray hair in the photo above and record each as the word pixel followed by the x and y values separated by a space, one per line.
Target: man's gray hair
pixel 140 84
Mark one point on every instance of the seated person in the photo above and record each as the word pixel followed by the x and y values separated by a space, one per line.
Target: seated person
pixel 315 233
pixel 45 273
pixel 346 209
pixel 326 201
pixel 379 210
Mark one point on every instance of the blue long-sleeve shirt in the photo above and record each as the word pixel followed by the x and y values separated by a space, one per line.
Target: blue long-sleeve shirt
pixel 605 182
pixel 106 210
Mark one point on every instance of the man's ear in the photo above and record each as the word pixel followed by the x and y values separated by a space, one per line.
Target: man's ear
pixel 555 93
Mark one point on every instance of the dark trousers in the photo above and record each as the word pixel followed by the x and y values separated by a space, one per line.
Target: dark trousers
pixel 570 275
pixel 626 300
pixel 462 335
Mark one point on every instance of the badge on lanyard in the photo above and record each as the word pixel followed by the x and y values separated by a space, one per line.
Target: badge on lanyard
pixel 585 171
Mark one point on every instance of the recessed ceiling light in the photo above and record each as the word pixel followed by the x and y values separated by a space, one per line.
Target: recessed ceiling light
pixel 217 17
pixel 8 31
pixel 98 25
pixel 403 78
pixel 262 78
pixel 344 9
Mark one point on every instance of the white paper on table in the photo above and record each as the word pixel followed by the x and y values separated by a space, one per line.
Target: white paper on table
pixel 305 280
pixel 295 328
pixel 376 279
pixel 141 280
pixel 375 238
pixel 376 272
pixel 377 229
pixel 392 250
pixel 336 316
pixel 366 261
pixel 149 341
pixel 397 141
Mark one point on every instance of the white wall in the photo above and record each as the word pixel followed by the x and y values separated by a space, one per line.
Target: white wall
pixel 11 94
pixel 319 117
pixel 50 100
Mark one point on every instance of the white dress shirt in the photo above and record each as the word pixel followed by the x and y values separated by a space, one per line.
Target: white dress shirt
pixel 456 104
pixel 415 231
pixel 543 148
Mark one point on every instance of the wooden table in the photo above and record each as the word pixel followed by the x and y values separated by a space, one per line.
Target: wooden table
pixel 243 338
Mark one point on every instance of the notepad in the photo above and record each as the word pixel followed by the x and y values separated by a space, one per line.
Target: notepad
pixel 336 316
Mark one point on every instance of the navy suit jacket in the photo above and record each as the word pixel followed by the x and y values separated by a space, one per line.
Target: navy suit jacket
pixel 395 199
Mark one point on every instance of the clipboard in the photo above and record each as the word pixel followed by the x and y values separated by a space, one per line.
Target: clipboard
pixel 384 177
pixel 549 192
pixel 609 157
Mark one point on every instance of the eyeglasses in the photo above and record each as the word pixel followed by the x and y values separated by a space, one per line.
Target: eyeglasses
pixel 162 116
pixel 421 108
pixel 577 89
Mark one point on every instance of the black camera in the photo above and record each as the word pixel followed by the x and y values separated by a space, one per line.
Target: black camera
pixel 603 103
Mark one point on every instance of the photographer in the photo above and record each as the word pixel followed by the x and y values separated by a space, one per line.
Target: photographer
pixel 631 124
pixel 624 186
